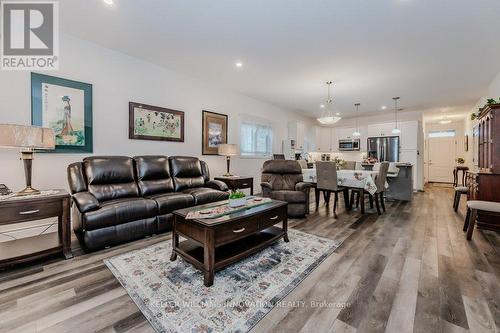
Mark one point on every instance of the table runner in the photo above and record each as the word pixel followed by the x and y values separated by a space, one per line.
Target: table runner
pixel 222 208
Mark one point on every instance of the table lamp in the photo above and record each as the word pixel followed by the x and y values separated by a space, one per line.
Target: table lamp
pixel 228 150
pixel 28 138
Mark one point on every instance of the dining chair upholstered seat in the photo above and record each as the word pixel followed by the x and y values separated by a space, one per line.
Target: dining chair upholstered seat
pixel 459 191
pixel 488 206
pixel 380 182
pixel 326 181
pixel 473 206
pixel 382 177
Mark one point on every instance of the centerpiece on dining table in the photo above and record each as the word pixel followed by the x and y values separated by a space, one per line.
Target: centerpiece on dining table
pixel 237 199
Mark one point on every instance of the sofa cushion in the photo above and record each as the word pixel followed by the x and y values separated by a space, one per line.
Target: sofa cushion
pixel 119 211
pixel 186 172
pixel 168 202
pixel 289 196
pixel 203 195
pixel 153 174
pixel 110 177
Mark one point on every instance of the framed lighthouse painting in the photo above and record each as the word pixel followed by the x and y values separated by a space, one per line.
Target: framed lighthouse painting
pixel 66 107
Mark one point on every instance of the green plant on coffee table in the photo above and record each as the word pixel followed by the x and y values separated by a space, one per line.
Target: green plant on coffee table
pixel 236 194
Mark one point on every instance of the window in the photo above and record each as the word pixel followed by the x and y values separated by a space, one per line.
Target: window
pixel 256 139
pixel 442 134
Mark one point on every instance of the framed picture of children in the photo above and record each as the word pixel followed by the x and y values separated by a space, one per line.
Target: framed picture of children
pixel 214 132
pixel 147 122
pixel 66 107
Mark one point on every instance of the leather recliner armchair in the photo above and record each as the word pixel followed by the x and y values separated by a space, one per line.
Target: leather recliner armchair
pixel 119 199
pixel 283 180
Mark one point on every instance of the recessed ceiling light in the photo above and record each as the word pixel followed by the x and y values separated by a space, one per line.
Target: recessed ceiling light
pixel 384 107
pixel 322 106
pixel 238 64
pixel 108 2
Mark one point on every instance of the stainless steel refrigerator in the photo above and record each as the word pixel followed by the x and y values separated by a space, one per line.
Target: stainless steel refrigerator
pixel 384 148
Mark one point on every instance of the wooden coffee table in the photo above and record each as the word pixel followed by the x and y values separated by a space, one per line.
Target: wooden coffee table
pixel 212 244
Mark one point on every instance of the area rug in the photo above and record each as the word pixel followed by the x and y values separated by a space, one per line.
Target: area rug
pixel 171 295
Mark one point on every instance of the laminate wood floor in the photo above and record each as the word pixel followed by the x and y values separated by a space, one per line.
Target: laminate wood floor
pixel 409 270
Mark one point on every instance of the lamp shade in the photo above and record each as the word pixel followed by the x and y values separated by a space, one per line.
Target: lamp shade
pixel 29 137
pixel 228 150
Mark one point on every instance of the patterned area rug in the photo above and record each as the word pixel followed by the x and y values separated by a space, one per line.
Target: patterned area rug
pixel 173 298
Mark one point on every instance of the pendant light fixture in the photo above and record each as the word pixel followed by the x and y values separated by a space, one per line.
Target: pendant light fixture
pixel 356 132
pixel 396 129
pixel 327 116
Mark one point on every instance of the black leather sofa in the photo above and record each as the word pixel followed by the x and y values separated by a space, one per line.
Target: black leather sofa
pixel 119 199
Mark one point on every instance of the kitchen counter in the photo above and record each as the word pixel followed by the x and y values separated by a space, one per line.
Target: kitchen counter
pixel 401 185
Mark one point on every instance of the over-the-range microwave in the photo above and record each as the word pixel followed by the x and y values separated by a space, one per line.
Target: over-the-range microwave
pixel 349 145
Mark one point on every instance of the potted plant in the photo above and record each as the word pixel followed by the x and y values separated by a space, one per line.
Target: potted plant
pixel 237 199
pixel 460 160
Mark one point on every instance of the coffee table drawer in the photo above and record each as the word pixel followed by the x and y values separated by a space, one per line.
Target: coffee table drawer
pixel 272 217
pixel 236 230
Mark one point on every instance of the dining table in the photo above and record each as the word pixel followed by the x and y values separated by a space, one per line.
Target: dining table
pixel 359 180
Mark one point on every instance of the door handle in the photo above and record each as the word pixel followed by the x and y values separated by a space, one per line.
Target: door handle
pixel 274 217
pixel 237 231
pixel 29 212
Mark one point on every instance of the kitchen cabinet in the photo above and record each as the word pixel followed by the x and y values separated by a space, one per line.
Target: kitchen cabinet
pixel 297 132
pixel 345 133
pixel 409 135
pixel 376 130
pixel 323 139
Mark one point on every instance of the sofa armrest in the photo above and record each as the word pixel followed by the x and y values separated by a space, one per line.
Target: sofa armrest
pixel 217 185
pixel 85 202
pixel 302 186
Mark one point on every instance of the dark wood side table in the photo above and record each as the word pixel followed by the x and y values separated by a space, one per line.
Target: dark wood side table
pixel 237 183
pixel 464 169
pixel 20 210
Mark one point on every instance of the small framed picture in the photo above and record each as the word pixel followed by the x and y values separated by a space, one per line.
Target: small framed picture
pixel 214 132
pixel 147 122
pixel 66 107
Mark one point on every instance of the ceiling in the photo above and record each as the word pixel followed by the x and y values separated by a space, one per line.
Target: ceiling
pixel 434 54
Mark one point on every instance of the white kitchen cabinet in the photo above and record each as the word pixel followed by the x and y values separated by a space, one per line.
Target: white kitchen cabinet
pixel 409 135
pixel 376 130
pixel 345 133
pixel 334 141
pixel 323 139
pixel 362 138
pixel 297 132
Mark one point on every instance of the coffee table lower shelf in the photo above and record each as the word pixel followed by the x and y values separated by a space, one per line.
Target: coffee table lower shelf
pixel 229 253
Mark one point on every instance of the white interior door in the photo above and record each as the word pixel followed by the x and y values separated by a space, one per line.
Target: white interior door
pixel 442 152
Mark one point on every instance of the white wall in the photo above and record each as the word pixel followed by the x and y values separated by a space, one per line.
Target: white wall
pixel 494 88
pixel 118 79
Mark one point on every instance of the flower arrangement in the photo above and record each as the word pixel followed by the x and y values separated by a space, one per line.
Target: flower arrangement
pixel 237 198
pixel 339 162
